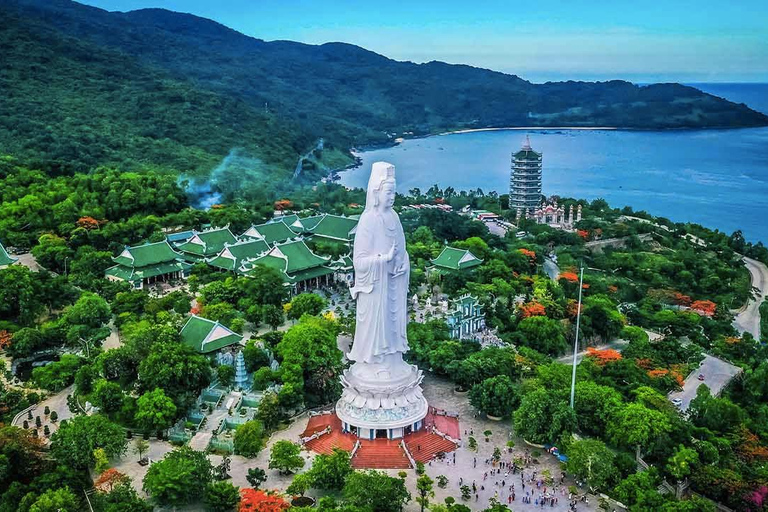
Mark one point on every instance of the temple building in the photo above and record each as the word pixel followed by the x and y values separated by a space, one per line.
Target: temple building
pixel 455 259
pixel 554 215
pixel 301 268
pixel 206 244
pixel 333 228
pixel 525 180
pixel 206 336
pixel 146 264
pixel 272 232
pixel 465 317
pixel 5 258
pixel 233 256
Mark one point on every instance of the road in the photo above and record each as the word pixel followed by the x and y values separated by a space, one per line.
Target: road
pixel 748 318
pixel 717 374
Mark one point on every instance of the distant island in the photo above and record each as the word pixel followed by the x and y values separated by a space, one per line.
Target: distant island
pixel 174 92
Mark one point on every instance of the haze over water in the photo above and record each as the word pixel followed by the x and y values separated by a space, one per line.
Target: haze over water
pixel 717 178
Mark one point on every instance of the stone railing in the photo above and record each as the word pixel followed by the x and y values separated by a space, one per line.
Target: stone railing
pixel 21 413
pixel 354 449
pixel 445 436
pixel 408 453
pixel 319 413
pixel 305 440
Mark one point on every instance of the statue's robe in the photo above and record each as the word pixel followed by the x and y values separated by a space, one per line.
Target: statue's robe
pixel 381 294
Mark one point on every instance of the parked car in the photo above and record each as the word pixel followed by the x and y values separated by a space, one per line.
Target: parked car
pixel 701 376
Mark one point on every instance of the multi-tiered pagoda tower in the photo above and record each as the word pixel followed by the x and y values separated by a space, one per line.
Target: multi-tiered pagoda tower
pixel 525 180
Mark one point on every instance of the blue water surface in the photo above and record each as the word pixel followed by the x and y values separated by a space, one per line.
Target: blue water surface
pixel 718 178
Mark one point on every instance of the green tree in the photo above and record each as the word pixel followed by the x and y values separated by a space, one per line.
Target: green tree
pixel 177 369
pixel 497 396
pixel 254 356
pixel 225 373
pixel 592 461
pixel 56 500
pixel 269 411
pixel 681 462
pixel 58 375
pixel 272 316
pixel 155 411
pixel 636 425
pixel 594 404
pixel 256 476
pixel 221 497
pixel 329 472
pixel 306 303
pixel 182 477
pixel 76 439
pixel 300 484
pixel 312 360
pixel 543 416
pixel 424 489
pixel 375 490
pixel 249 438
pixel 543 334
pixel 140 447
pixel 285 457
pixel 101 462
pixel 108 396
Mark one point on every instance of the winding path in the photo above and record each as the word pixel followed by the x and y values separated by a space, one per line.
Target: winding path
pixel 747 319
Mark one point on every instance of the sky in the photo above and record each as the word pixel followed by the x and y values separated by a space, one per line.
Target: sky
pixel 637 40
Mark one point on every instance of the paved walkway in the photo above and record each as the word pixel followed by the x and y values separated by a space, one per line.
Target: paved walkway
pixel 58 403
pixel 748 318
pixel 717 374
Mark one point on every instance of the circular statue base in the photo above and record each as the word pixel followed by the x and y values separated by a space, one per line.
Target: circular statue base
pixel 382 400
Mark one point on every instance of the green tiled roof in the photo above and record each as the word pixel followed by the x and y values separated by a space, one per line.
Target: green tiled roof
pixel 311 222
pixel 5 258
pixel 206 335
pixel 146 255
pixel 271 232
pixel 208 243
pixel 127 273
pixel 232 256
pixel 456 259
pixel 334 227
pixel 299 256
pixel 294 260
pixel 528 154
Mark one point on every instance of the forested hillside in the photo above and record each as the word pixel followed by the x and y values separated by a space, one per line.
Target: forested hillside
pixel 152 88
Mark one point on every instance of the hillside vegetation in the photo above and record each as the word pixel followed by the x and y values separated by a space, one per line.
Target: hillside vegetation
pixel 157 89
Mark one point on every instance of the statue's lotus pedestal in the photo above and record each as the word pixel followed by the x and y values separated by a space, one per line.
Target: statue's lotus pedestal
pixel 382 400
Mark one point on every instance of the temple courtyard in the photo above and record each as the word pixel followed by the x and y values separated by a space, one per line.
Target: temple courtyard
pixel 439 393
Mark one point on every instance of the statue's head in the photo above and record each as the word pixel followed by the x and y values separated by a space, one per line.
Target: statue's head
pixel 381 186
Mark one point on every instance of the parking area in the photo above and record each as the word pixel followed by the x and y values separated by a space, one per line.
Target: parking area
pixel 717 374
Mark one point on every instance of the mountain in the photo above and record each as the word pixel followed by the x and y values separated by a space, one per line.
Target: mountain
pixel 155 88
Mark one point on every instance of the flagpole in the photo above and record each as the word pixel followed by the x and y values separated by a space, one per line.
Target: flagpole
pixel 576 342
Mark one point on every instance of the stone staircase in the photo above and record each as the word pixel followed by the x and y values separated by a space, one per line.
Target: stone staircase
pixel 430 443
pixel 380 454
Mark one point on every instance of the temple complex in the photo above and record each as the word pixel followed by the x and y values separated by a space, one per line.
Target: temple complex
pixel 525 179
pixel 554 215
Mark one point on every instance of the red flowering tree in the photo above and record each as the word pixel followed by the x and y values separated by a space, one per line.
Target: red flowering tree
pixel 571 277
pixel 109 479
pixel 257 500
pixel 704 307
pixel 5 339
pixel 603 357
pixel 682 300
pixel 530 309
pixel 583 233
pixel 283 204
pixel 88 223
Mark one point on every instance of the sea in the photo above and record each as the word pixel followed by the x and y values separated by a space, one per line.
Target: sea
pixel 717 178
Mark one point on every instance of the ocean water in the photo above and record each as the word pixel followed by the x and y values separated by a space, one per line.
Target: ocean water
pixel 718 178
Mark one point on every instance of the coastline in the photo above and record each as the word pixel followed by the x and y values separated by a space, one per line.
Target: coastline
pixel 583 128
